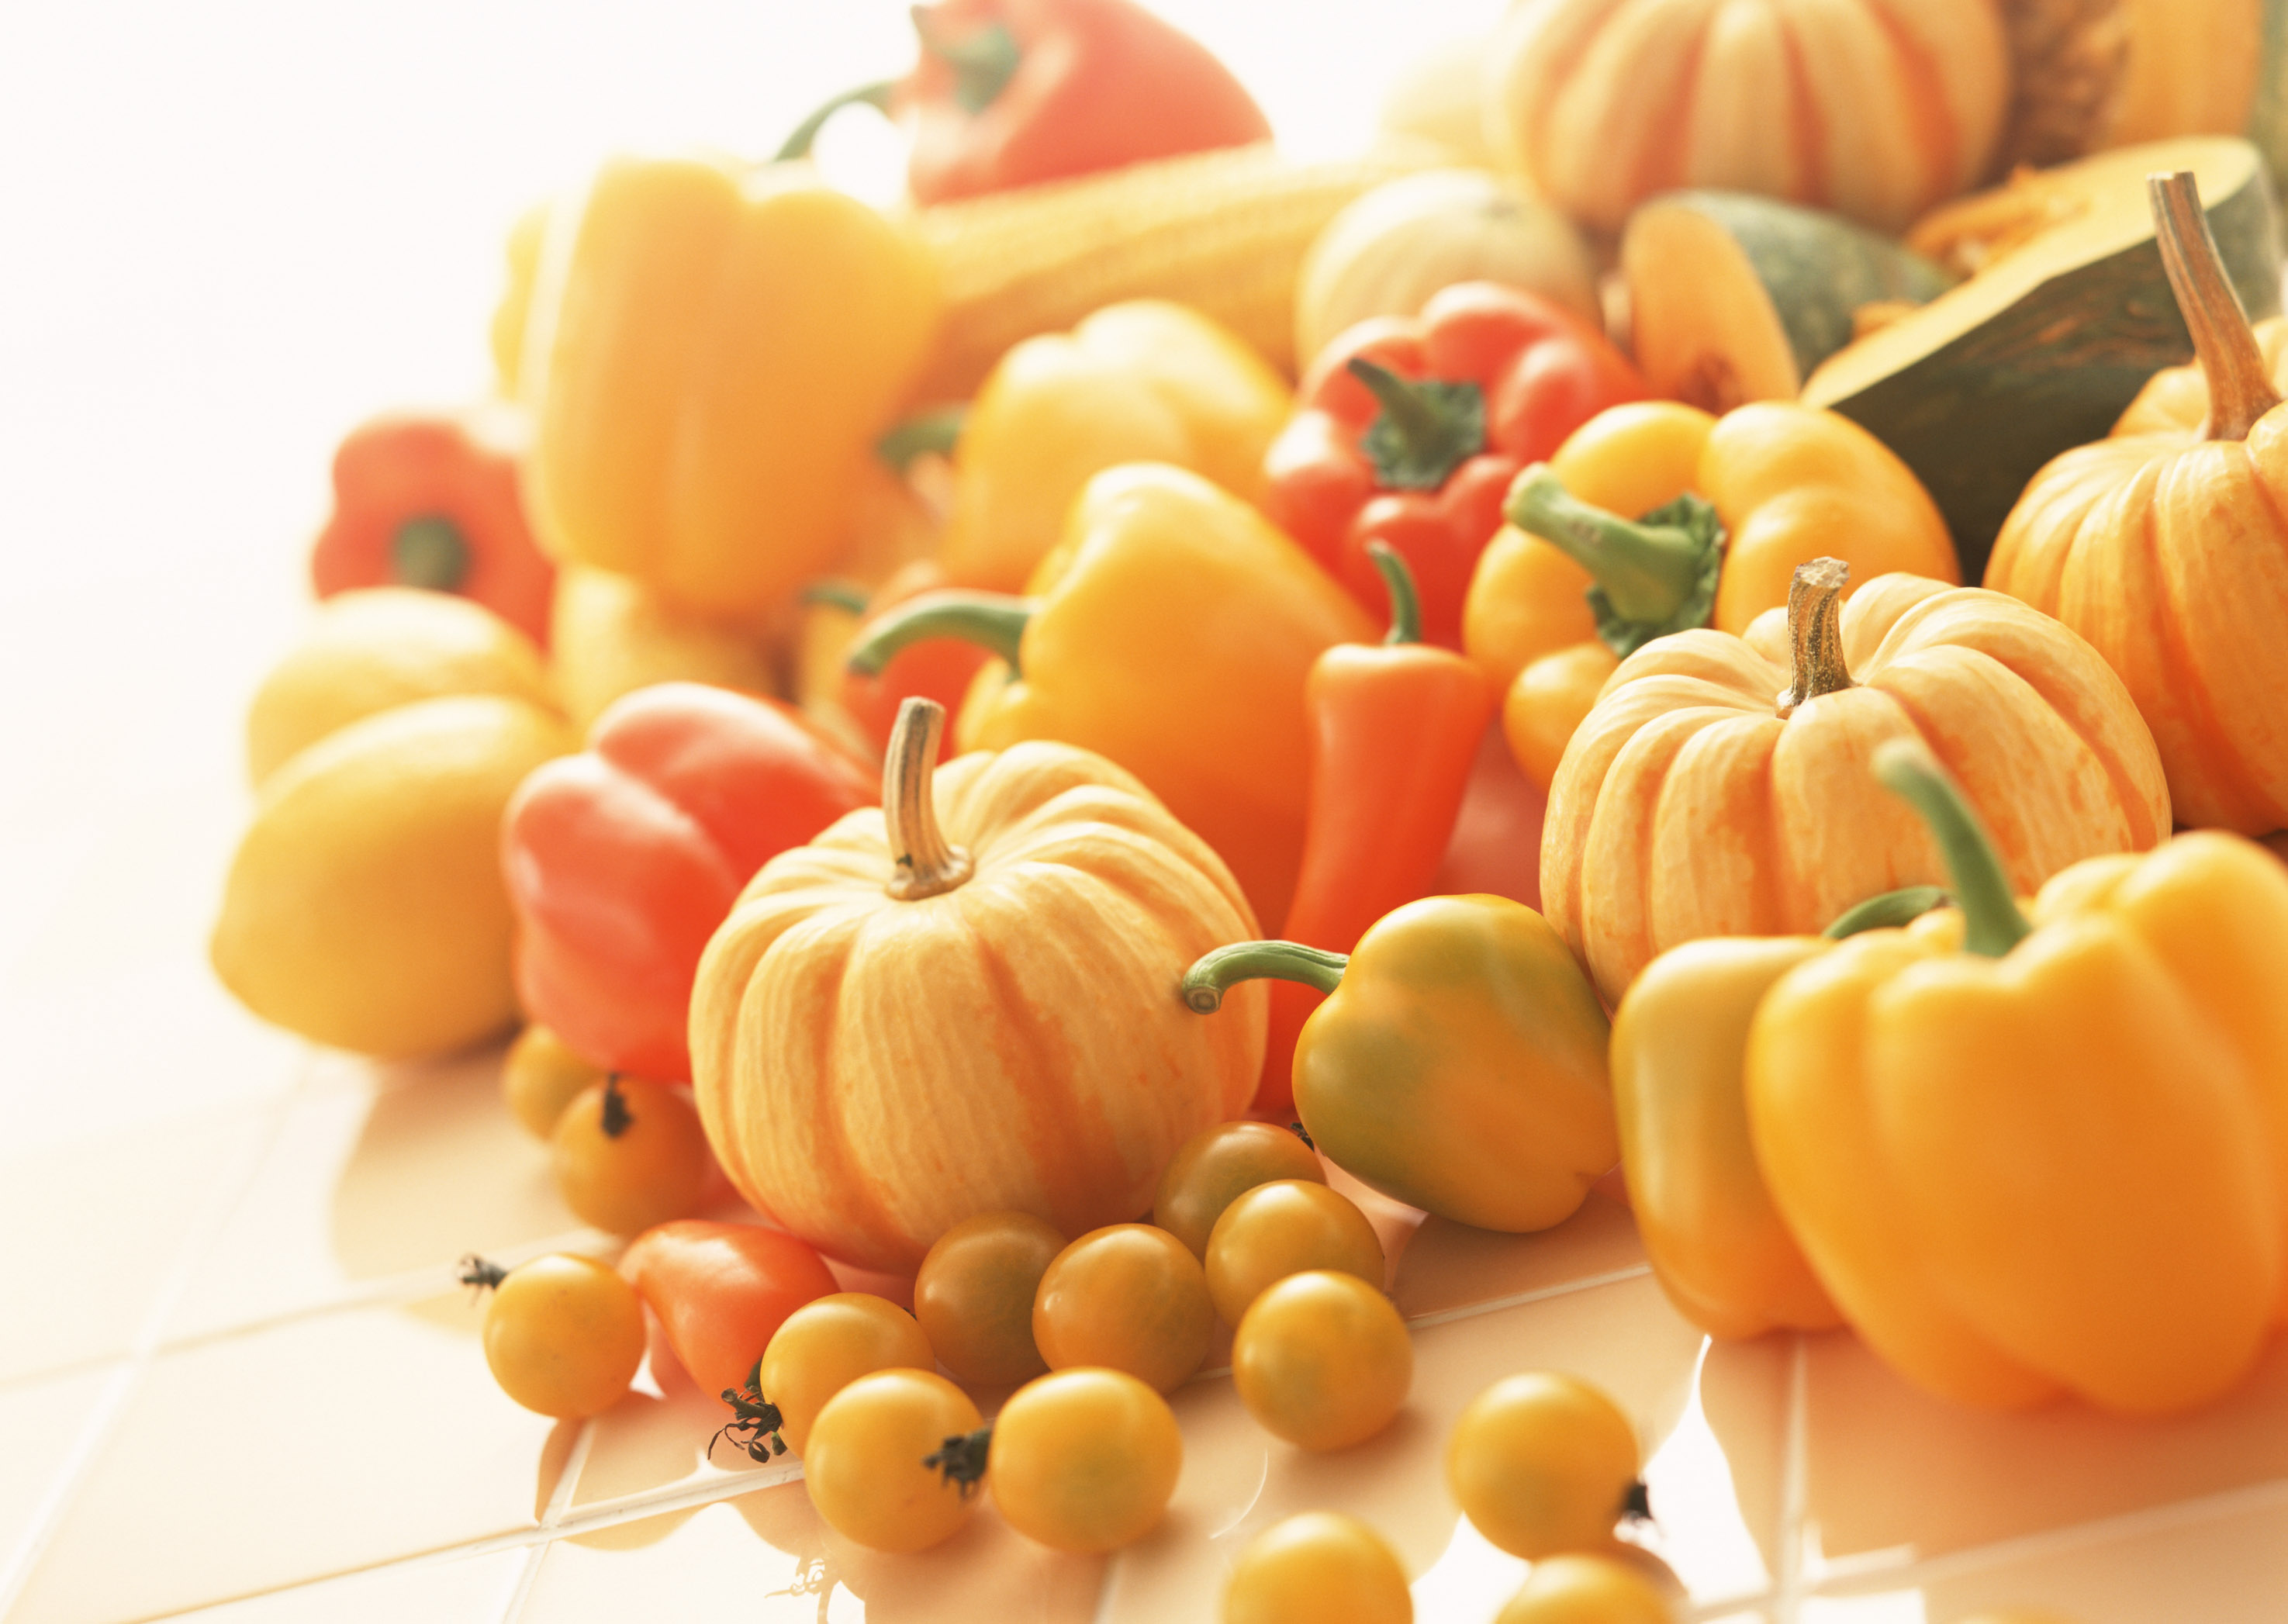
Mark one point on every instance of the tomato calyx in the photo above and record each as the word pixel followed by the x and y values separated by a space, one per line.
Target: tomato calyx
pixel 754 1416
pixel 480 1272
pixel 962 1458
pixel 1304 1134
pixel 617 1118
pixel 1636 1503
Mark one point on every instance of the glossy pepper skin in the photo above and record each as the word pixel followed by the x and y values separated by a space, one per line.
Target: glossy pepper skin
pixel 623 860
pixel 2028 1155
pixel 1396 728
pixel 427 499
pixel 1457 1063
pixel 719 1291
pixel 1410 431
pixel 1012 92
pixel 1173 631
pixel 1676 518
pixel 709 351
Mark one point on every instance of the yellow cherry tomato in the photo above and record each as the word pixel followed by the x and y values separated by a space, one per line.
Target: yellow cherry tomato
pixel 974 1296
pixel 1541 1463
pixel 876 1463
pixel 1580 1590
pixel 1547 704
pixel 1215 1165
pixel 1129 1297
pixel 631 1155
pixel 1323 1359
pixel 1084 1460
pixel 1315 1568
pixel 1283 1228
pixel 540 1078
pixel 563 1333
pixel 828 1342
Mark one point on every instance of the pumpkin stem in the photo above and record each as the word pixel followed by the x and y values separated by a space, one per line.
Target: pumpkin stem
pixel 1992 922
pixel 927 864
pixel 1888 911
pixel 2239 391
pixel 1405 602
pixel 1221 969
pixel 1426 429
pixel 993 621
pixel 1814 618
pixel 1652 577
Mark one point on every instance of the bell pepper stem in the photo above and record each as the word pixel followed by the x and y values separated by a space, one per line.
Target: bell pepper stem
pixel 1428 427
pixel 833 593
pixel 1405 602
pixel 1992 922
pixel 1814 618
pixel 429 551
pixel 1648 571
pixel 1219 971
pixel 926 863
pixel 993 621
pixel 805 135
pixel 983 59
pixel 1888 911
pixel 2239 390
pixel 938 431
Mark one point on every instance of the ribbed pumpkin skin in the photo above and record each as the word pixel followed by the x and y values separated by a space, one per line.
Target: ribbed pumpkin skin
pixel 1875 108
pixel 871 1071
pixel 1685 807
pixel 2170 554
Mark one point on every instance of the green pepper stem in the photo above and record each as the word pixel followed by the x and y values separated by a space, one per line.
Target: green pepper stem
pixel 993 621
pixel 429 551
pixel 805 135
pixel 1889 910
pixel 1221 969
pixel 1992 922
pixel 983 59
pixel 836 593
pixel 1648 571
pixel 1427 428
pixel 1405 602
pixel 938 431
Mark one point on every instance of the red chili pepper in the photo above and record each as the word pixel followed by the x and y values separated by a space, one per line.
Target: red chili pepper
pixel 1409 433
pixel 720 1290
pixel 938 669
pixel 1010 93
pixel 623 860
pixel 1396 731
pixel 432 501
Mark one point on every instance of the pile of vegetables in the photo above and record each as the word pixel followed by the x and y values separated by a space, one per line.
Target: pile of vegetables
pixel 944 743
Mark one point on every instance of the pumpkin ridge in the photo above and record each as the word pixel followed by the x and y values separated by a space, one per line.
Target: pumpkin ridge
pixel 1660 166
pixel 1810 129
pixel 1937 140
pixel 828 1140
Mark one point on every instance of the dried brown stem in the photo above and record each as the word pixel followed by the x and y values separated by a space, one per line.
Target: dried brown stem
pixel 2239 390
pixel 927 865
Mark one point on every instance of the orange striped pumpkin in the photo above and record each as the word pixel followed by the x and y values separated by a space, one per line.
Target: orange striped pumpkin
pixel 966 1003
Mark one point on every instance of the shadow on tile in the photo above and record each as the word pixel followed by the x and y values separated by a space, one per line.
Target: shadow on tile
pixel 1449 1265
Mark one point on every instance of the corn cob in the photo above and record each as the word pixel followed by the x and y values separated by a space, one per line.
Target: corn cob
pixel 1223 232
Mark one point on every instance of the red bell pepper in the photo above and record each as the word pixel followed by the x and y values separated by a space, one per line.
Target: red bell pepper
pixel 1409 432
pixel 1396 731
pixel 1011 92
pixel 431 500
pixel 622 860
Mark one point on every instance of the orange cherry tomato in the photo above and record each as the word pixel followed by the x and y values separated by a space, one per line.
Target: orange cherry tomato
pixel 1323 1359
pixel 563 1333
pixel 973 1297
pixel 1215 1165
pixel 1129 1297
pixel 1543 1463
pixel 1581 1590
pixel 876 1461
pixel 629 1154
pixel 540 1077
pixel 1283 1228
pixel 1084 1460
pixel 825 1345
pixel 1315 1568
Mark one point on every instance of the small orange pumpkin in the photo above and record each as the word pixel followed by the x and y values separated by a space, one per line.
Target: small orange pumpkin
pixel 2167 545
pixel 966 1001
pixel 1721 786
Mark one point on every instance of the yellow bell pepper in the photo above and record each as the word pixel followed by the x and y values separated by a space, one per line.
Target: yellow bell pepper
pixel 1457 1063
pixel 1575 581
pixel 709 351
pixel 1146 381
pixel 2026 1156
pixel 1173 631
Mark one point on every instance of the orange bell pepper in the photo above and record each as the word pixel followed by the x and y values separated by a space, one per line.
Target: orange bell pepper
pixel 2032 1155
pixel 1729 506
pixel 1395 733
pixel 1173 630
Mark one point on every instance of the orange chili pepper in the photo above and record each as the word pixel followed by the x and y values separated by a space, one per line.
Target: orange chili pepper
pixel 1394 735
pixel 720 1290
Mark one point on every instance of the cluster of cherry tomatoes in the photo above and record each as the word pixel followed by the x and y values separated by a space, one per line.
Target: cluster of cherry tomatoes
pixel 1092 1334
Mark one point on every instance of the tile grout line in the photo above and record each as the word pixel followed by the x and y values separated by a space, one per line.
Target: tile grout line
pixel 559 1502
pixel 223 1196
pixel 1494 1305
pixel 1795 1472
